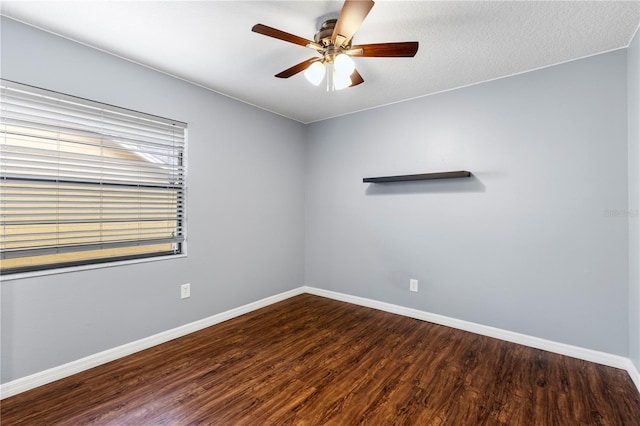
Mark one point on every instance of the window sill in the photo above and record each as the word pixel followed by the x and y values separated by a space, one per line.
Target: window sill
pixel 23 275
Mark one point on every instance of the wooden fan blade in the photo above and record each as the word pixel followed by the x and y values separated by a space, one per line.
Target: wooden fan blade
pixel 356 78
pixel 405 49
pixel 297 68
pixel 281 35
pixel 351 17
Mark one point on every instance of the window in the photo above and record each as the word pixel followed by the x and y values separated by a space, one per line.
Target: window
pixel 83 182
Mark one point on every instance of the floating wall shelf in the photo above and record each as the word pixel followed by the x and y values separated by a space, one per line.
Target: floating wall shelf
pixel 422 176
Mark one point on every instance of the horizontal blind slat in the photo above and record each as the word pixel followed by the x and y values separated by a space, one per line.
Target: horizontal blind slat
pixel 51 132
pixel 13 253
pixel 29 121
pixel 57 100
pixel 31 152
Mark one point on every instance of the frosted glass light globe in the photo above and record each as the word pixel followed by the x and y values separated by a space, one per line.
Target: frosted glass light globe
pixel 315 73
pixel 344 65
pixel 341 81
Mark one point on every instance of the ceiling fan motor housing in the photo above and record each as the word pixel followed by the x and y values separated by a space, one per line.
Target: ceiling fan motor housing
pixel 324 34
pixel 323 37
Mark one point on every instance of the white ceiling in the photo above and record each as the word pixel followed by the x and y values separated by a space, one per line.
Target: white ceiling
pixel 210 43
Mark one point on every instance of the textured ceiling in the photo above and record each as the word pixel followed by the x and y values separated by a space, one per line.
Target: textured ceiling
pixel 210 43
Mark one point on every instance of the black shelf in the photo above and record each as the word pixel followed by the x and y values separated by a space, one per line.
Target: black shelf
pixel 422 176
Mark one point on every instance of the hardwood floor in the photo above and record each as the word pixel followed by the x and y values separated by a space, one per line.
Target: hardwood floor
pixel 315 361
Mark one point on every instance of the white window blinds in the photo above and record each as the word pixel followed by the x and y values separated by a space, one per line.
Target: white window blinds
pixel 83 182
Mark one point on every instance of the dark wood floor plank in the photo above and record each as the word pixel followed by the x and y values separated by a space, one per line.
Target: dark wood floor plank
pixel 315 361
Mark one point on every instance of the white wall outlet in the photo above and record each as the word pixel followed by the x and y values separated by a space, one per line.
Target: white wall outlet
pixel 185 290
pixel 413 285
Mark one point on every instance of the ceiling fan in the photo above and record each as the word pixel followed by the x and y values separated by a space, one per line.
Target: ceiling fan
pixel 333 42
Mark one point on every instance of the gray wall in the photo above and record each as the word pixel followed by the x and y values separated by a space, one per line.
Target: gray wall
pixel 529 244
pixel 633 84
pixel 245 213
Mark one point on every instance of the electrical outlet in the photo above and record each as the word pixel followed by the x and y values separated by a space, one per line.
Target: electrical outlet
pixel 185 290
pixel 413 285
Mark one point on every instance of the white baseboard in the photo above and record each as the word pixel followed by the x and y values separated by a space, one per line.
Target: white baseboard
pixel 634 373
pixel 591 355
pixel 41 378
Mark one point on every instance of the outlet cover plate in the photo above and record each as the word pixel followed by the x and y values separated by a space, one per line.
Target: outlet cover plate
pixel 185 290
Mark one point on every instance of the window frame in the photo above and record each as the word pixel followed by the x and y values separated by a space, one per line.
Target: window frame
pixel 179 246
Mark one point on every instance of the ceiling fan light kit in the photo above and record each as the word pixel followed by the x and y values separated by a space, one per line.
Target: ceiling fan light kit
pixel 333 42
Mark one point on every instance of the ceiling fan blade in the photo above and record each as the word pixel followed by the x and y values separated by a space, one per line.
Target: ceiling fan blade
pixel 405 49
pixel 281 35
pixel 297 68
pixel 356 78
pixel 351 17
